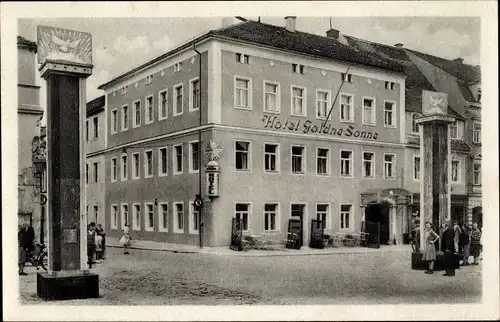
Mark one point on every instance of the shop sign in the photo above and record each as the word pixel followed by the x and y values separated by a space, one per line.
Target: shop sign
pixel 310 127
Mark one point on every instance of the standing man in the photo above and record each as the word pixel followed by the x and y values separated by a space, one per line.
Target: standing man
pixel 449 247
pixel 25 240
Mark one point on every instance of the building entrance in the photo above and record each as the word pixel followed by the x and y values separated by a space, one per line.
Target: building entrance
pixel 379 213
pixel 298 212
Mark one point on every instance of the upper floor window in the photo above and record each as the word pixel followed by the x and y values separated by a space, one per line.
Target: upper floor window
pixel 322 103
pixel 389 166
pixel 194 99
pixel 345 163
pixel 242 93
pixel 390 85
pixel 416 167
pixel 178 157
pixel 114 121
pixel 298 69
pixel 135 166
pixel 346 108
pixel 242 155
pixel 322 161
pixel 96 127
pixel 194 157
pixel 148 164
pixel 87 173
pixel 415 128
pixel 298 101
pixel 124 117
pixel 149 109
pixel 271 157
pixel 389 114
pixel 346 78
pixel 454 130
pixel 86 130
pixel 298 159
pixel 455 171
pixel 178 99
pixel 162 161
pixel 137 113
pixel 178 67
pixel 271 97
pixel 368 164
pixel 113 169
pixel 369 111
pixel 163 108
pixel 124 168
pixel 476 132
pixel 477 174
pixel 242 58
pixel 96 171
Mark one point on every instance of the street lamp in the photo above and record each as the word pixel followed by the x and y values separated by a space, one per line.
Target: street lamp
pixel 39 159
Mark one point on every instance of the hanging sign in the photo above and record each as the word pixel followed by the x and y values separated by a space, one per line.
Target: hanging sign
pixel 212 174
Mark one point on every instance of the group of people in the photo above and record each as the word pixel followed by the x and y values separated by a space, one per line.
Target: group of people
pixel 457 244
pixel 96 243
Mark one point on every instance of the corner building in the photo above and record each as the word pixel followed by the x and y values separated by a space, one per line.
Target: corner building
pixel 266 92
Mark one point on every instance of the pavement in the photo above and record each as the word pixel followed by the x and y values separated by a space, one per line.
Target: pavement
pixel 226 251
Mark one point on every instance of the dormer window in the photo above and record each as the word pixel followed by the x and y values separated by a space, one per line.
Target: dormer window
pixel 178 67
pixel 149 79
pixel 389 86
pixel 242 58
pixel 124 90
pixel 347 78
pixel 298 69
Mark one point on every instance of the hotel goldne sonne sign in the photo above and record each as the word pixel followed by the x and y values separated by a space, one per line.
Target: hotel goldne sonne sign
pixel 309 127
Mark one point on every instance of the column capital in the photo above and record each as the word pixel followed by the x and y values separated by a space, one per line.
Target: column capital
pixel 61 67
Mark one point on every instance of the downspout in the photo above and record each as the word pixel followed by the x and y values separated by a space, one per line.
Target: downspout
pixel 200 156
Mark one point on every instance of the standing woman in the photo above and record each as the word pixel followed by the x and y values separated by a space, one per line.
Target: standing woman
pixel 464 243
pixel 430 237
pixel 125 240
pixel 475 243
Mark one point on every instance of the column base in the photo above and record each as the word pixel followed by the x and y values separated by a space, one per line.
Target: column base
pixel 65 285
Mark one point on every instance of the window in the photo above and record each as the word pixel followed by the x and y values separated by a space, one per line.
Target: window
pixel 96 212
pixel 242 93
pixel 136 218
pixel 149 110
pixel 124 117
pixel 242 153
pixel 178 67
pixel 454 130
pixel 194 157
pixel 96 127
pixel 346 78
pixel 476 130
pixel 241 212
pixel 368 165
pixel 194 98
pixel 163 107
pixel 415 128
pixel 477 174
pixel 416 167
pixel 137 113
pixel 271 157
pixel 346 108
pixel 322 103
pixel 322 214
pixel 242 58
pixel 345 217
pixel 298 159
pixel 150 217
pixel 298 101
pixel 322 161
pixel 148 164
pixel 270 216
pixel 179 217
pixel 345 163
pixel 86 130
pixel 479 95
pixel 389 114
pixel 178 99
pixel 113 170
pixel 455 171
pixel 389 85
pixel 271 97
pixel 124 169
pixel 163 216
pixel 193 219
pixel 178 159
pixel 125 219
pixel 114 121
pixel 149 79
pixel 162 161
pixel 124 90
pixel 96 172
pixel 114 217
pixel 298 69
pixel 135 166
pixel 389 166
pixel 86 173
pixel 368 111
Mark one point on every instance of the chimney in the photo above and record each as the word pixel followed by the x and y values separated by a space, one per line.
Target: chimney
pixel 290 23
pixel 333 33
pixel 399 45
pixel 458 60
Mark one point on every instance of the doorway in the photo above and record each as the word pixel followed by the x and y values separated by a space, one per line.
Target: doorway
pixel 379 213
pixel 477 216
pixel 298 212
pixel 458 214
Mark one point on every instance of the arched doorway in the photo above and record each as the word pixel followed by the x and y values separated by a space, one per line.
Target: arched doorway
pixel 380 213
pixel 477 216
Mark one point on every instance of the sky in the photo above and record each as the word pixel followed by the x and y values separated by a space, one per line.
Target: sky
pixel 120 44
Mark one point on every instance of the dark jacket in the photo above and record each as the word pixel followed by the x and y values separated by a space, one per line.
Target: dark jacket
pixel 24 238
pixel 448 240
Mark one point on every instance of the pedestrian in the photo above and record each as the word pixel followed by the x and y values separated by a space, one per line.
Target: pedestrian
pixel 100 232
pixel 464 244
pixel 125 240
pixel 449 247
pixel 23 241
pixel 91 243
pixel 31 239
pixel 475 243
pixel 430 238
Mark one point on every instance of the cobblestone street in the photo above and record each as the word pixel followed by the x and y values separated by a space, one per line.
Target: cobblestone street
pixel 158 278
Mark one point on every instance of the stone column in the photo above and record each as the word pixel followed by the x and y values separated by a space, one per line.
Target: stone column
pixel 65 58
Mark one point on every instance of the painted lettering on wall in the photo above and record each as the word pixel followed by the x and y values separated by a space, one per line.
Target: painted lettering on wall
pixel 310 127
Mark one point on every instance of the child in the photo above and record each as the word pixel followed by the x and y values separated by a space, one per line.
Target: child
pixel 125 240
pixel 91 243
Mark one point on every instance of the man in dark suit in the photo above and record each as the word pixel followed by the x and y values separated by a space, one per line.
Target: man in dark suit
pixel 449 247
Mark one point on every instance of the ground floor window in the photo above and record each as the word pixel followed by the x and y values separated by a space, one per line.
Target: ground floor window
pixel 149 217
pixel 125 219
pixel 322 211
pixel 179 217
pixel 136 218
pixel 270 216
pixel 114 216
pixel 193 222
pixel 242 211
pixel 163 217
pixel 345 216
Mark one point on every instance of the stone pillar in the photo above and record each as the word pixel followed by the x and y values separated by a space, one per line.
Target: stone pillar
pixel 65 58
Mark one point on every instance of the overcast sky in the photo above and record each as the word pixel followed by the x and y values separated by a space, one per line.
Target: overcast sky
pixel 120 44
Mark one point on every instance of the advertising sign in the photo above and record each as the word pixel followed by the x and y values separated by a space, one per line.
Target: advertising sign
pixel 212 184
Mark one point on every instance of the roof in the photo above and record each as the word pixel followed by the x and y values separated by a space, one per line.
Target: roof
pixel 460 146
pixel 96 105
pixel 25 43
